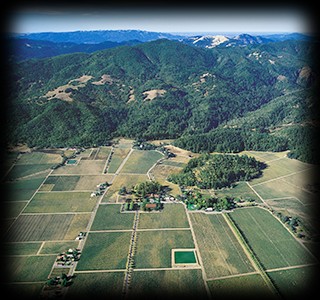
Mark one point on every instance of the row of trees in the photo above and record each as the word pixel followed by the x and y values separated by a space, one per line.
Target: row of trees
pixel 195 200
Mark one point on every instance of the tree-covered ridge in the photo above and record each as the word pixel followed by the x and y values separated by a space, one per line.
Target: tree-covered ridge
pixel 204 90
pixel 214 171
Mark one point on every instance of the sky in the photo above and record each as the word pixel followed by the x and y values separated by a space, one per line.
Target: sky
pixel 177 21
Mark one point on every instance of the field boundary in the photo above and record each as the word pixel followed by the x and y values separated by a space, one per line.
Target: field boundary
pixel 252 257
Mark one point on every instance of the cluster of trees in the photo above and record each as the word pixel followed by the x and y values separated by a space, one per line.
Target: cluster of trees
pixel 141 190
pixel 217 171
pixel 294 223
pixel 148 187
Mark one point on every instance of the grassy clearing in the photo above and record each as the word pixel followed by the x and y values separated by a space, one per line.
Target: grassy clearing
pixel 250 287
pixel 221 253
pixel 154 247
pixel 140 162
pixel 39 228
pixel 273 245
pixel 53 202
pixel 172 216
pixel 105 251
pixel 109 217
pixel 168 284
pixel 161 172
pixel 97 285
pixel 265 156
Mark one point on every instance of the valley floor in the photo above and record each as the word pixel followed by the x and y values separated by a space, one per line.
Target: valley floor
pixel 247 251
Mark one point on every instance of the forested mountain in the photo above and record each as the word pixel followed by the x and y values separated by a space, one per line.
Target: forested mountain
pixel 165 89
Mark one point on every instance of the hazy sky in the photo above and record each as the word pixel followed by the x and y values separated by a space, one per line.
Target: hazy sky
pixel 211 20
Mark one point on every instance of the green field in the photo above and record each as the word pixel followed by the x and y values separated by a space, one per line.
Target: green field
pixel 172 216
pixel 21 190
pixel 53 202
pixel 118 156
pixel 39 227
pixel 108 217
pixel 274 246
pixel 105 251
pixel 140 162
pixel 45 213
pixel 154 247
pixel 62 183
pixel 249 286
pixel 295 282
pixel 168 284
pixel 221 253
pixel 30 268
pixel 98 285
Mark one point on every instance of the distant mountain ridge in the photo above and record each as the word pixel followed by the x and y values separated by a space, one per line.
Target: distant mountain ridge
pixel 99 36
pixel 241 40
pixel 49 44
pixel 22 49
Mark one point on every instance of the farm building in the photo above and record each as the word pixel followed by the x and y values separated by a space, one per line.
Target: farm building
pixel 151 205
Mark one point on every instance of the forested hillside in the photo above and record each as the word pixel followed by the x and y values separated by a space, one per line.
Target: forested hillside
pixel 207 99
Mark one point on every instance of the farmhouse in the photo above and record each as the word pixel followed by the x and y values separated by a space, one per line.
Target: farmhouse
pixel 151 205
